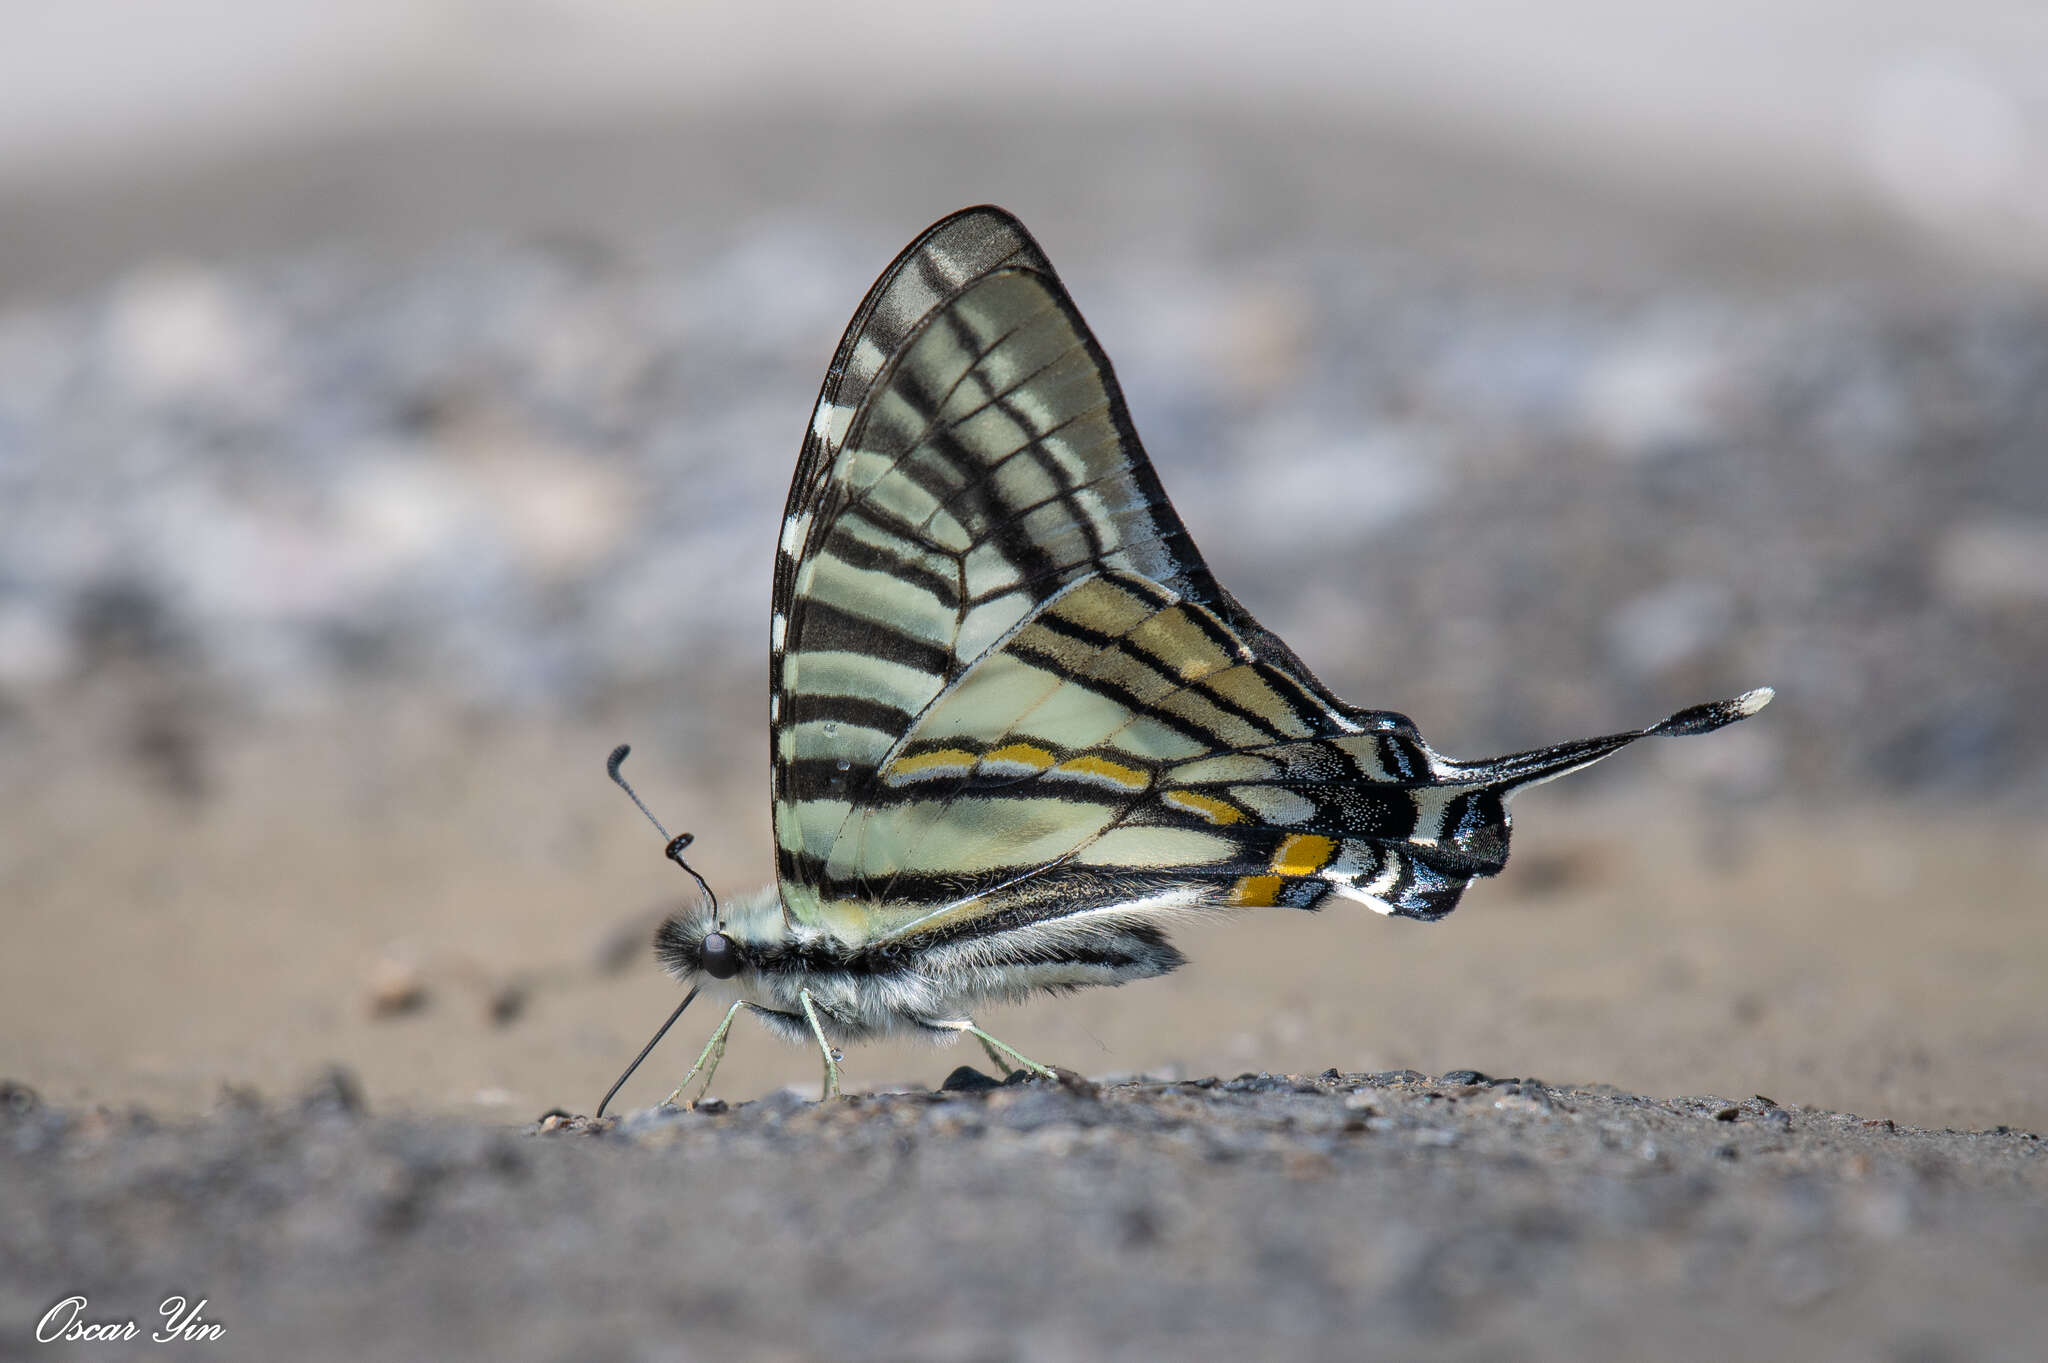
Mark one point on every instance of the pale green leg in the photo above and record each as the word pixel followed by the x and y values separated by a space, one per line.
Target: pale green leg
pixel 993 1046
pixel 995 1057
pixel 803 997
pixel 708 1058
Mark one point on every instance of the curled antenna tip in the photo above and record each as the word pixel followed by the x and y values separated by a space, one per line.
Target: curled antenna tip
pixel 675 844
pixel 612 765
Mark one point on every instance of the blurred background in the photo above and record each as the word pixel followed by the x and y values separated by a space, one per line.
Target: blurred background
pixel 397 400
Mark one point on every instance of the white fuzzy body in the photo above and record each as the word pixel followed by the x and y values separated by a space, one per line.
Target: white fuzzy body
pixel 930 990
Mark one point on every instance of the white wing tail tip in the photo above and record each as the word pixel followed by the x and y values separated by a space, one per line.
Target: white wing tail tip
pixel 1749 702
pixel 1715 714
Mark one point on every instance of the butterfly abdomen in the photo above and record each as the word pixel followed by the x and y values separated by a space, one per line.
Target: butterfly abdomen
pixel 1098 929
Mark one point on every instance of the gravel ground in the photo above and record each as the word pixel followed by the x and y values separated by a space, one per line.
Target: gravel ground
pixel 1365 1215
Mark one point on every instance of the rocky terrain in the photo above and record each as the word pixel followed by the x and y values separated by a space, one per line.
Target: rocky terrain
pixel 1298 1216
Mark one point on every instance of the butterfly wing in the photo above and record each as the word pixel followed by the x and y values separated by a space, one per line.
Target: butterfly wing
pixel 969 456
pixel 1007 688
pixel 1124 747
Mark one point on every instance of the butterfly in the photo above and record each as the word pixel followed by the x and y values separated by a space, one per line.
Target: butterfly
pixel 1017 725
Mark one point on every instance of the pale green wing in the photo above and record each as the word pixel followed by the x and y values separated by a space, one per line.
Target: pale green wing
pixel 1006 688
pixel 1125 749
pixel 988 462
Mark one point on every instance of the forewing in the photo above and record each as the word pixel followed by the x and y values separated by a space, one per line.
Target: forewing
pixel 987 462
pixel 950 254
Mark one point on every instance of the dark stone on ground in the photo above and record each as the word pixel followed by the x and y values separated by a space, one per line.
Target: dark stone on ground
pixel 968 1079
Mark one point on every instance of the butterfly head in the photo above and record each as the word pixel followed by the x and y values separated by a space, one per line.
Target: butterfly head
pixel 702 941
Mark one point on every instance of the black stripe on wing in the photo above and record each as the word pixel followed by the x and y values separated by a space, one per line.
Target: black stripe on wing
pixel 991 461
pixel 949 254
pixel 971 454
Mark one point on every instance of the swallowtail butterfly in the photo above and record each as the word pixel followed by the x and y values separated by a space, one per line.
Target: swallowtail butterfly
pixel 1017 725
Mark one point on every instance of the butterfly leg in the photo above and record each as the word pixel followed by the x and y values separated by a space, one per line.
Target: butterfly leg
pixel 996 1050
pixel 825 1047
pixel 995 1057
pixel 708 1058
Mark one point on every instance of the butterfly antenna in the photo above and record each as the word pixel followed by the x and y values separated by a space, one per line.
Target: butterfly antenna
pixel 674 853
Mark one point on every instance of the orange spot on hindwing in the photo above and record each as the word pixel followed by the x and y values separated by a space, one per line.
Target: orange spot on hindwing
pixel 1256 892
pixel 1303 854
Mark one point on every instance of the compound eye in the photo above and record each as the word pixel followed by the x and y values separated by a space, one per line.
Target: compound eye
pixel 719 957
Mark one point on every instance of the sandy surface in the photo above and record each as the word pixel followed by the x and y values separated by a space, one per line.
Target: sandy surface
pixel 1862 958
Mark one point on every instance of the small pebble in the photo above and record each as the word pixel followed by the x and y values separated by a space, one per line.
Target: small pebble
pixel 396 988
pixel 238 1098
pixel 507 1002
pixel 1516 1102
pixel 335 1093
pixel 1389 1078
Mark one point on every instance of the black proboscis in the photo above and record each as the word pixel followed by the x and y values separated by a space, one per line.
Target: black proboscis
pixel 652 1042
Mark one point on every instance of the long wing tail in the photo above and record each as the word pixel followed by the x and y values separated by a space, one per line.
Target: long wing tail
pixel 1510 773
pixel 1471 839
pixel 1379 817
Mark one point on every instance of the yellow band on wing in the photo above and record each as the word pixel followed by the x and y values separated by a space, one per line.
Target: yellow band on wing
pixel 1208 806
pixel 940 762
pixel 1024 755
pixel 1103 770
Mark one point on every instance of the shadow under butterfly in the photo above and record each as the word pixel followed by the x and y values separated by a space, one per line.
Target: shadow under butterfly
pixel 1017 726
